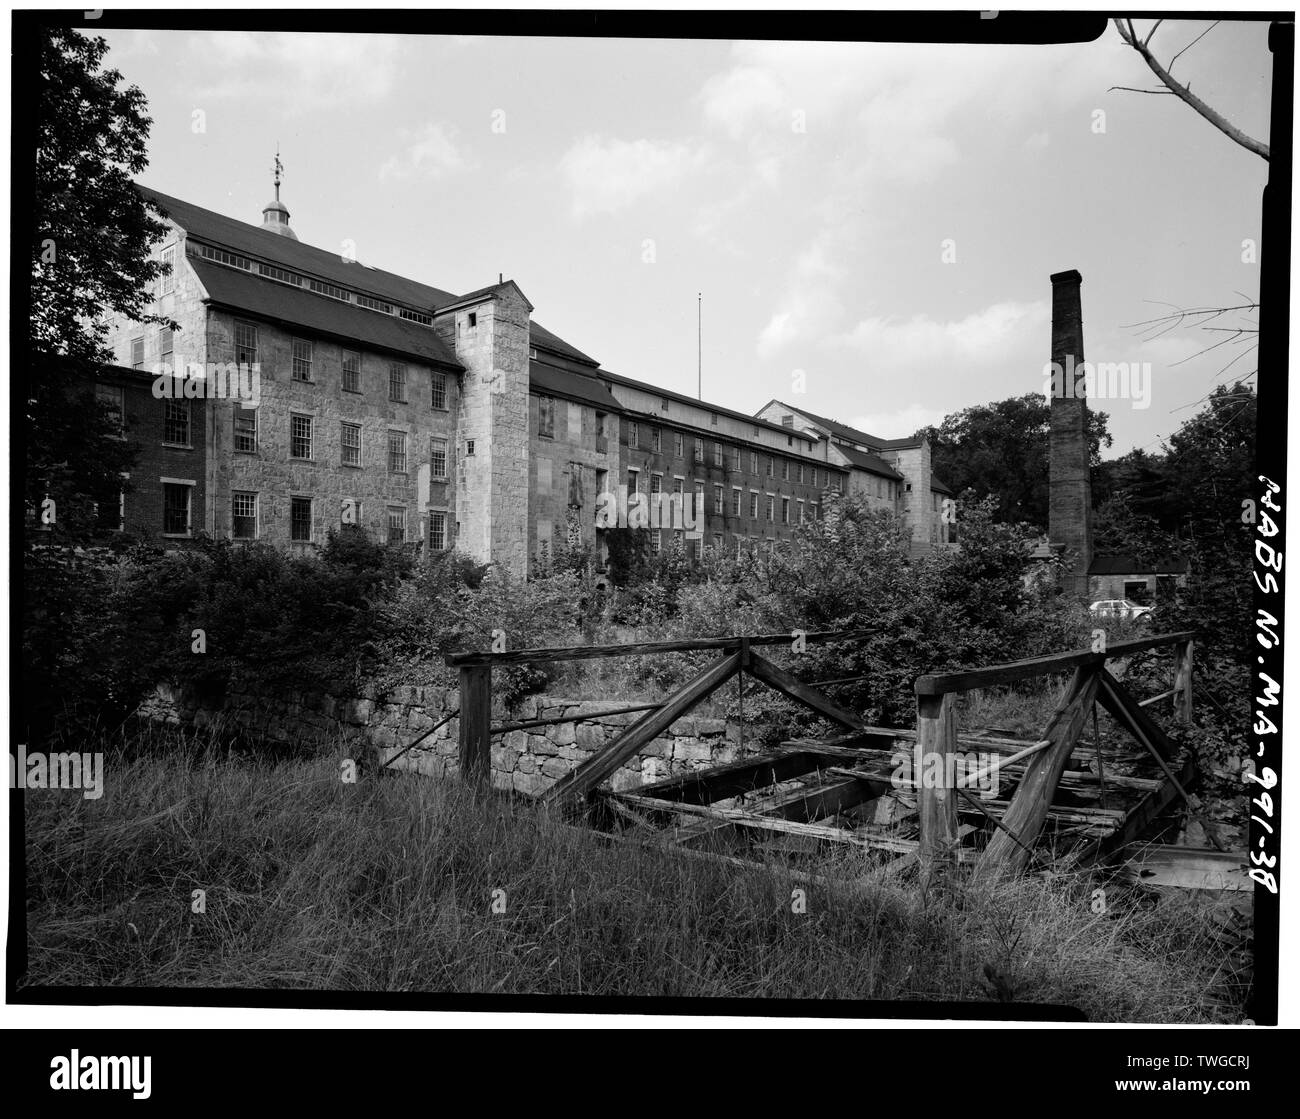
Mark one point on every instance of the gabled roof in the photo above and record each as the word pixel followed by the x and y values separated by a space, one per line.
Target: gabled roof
pixel 1127 565
pixel 545 340
pixel 571 385
pixel 873 464
pixel 938 487
pixel 252 240
pixel 722 410
pixel 853 434
pixel 255 241
pixel 243 291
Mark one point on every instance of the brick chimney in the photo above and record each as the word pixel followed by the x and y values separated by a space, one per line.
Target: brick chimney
pixel 1069 519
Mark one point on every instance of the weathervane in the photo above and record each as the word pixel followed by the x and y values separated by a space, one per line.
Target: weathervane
pixel 279 170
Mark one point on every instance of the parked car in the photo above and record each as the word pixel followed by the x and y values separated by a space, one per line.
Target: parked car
pixel 1120 608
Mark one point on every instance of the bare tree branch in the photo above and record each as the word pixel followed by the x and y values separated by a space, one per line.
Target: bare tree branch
pixel 1191 44
pixel 1130 36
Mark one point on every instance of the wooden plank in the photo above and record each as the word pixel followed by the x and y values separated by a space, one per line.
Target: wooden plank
pixel 703 786
pixel 553 720
pixel 1183 680
pixel 643 648
pixel 941 683
pixel 936 725
pixel 1190 868
pixel 1028 809
pixel 1138 820
pixel 571 789
pixel 753 821
pixel 775 676
pixel 1154 699
pixel 475 724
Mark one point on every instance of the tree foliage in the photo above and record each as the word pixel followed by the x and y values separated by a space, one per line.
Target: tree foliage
pixel 1000 451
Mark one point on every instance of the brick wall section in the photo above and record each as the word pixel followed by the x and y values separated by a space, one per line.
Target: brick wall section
pixel 1070 492
pixel 551 471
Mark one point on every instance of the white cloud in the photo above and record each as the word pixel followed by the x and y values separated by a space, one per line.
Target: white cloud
pixel 920 343
pixel 900 423
pixel 605 176
pixel 430 154
pixel 291 73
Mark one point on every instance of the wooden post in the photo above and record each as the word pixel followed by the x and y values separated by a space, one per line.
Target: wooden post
pixel 1183 659
pixel 476 724
pixel 936 734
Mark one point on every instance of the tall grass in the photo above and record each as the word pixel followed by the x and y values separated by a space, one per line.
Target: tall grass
pixel 389 885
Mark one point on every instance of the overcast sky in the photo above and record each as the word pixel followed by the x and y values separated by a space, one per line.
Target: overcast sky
pixel 807 189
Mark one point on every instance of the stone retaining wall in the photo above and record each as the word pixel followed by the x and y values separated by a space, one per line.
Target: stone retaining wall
pixel 529 760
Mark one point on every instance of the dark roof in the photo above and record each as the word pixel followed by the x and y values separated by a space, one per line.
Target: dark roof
pixel 1128 565
pixel 572 385
pixel 837 428
pixel 207 225
pixel 255 241
pixel 619 379
pixel 242 291
pixel 938 487
pixel 899 444
pixel 544 339
pixel 873 464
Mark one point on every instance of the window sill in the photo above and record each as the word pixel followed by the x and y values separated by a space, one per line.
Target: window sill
pixel 178 446
pixel 305 461
pixel 350 465
pixel 178 536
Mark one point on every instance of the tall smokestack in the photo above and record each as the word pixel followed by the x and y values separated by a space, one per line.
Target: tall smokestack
pixel 1069 519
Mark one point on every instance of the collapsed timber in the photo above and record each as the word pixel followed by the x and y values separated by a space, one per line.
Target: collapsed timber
pixel 1060 796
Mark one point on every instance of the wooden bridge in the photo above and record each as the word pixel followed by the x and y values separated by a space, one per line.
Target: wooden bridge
pixel 846 789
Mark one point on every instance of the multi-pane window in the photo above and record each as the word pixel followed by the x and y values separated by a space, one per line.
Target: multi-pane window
pixel 771 507
pixel 300 518
pixel 439 392
pixel 176 509
pixel 350 441
pixel 299 436
pixel 678 441
pixel 167 281
pixel 785 470
pixel 245 343
pixel 397 382
pixel 633 435
pixel 246 430
pixel 801 469
pixel 397 452
pixel 656 483
pixel 785 510
pixel 113 399
pixel 717 499
pixel 753 462
pixel 438 458
pixel 396 524
pixel 166 345
pixel 301 359
pixel 438 531
pixel 699 450
pixel 655 439
pixel 546 417
pixel 137 353
pixel 735 459
pixel 753 506
pixel 351 371
pixel 632 477
pixel 677 485
pixel 735 503
pixel 717 454
pixel 176 422
pixel 656 542
pixel 800 512
pixel 769 466
pixel 243 516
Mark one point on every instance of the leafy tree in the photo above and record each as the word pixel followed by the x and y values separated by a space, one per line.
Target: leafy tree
pixel 90 234
pixel 1001 451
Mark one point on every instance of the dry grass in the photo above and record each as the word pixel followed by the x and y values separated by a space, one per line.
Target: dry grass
pixel 388 885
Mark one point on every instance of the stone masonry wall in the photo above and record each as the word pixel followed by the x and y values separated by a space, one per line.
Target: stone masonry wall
pixel 528 761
